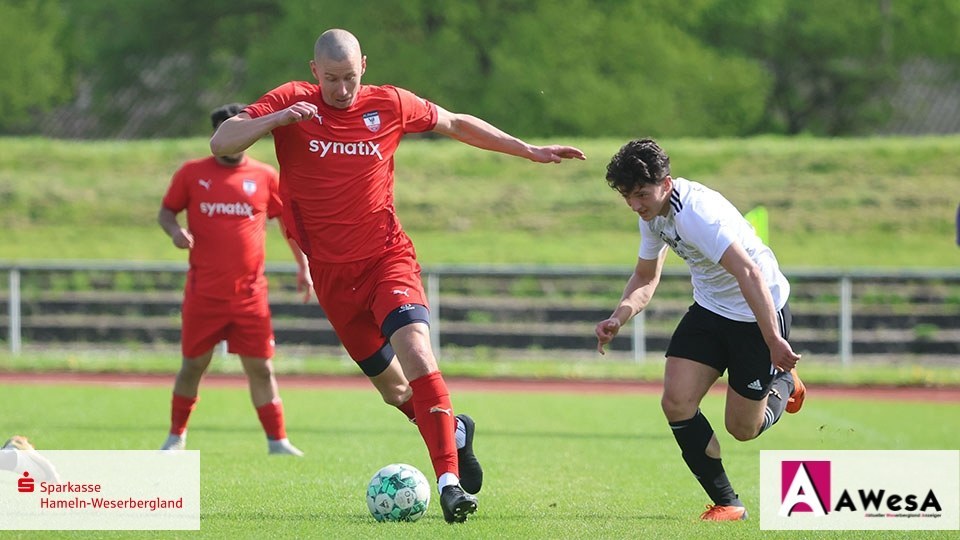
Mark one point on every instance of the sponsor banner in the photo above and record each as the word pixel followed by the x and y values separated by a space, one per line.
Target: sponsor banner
pixel 860 489
pixel 103 490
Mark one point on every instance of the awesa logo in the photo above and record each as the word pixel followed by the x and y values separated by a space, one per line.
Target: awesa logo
pixel 805 487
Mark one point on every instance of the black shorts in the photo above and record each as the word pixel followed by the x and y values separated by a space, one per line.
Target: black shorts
pixel 725 344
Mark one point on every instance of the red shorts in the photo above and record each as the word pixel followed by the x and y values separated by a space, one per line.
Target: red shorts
pixel 357 296
pixel 244 322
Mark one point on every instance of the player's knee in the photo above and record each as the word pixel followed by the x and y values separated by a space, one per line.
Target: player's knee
pixel 397 396
pixel 742 431
pixel 191 371
pixel 677 409
pixel 260 371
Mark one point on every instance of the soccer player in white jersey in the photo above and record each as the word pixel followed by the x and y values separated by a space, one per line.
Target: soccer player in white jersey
pixel 739 321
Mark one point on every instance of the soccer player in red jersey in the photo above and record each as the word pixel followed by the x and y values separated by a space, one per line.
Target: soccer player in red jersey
pixel 228 199
pixel 335 143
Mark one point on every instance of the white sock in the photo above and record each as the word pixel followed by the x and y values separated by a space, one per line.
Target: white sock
pixel 447 479
pixel 175 439
pixel 461 434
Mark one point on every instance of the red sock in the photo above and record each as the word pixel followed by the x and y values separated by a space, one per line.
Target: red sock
pixel 180 409
pixel 434 413
pixel 271 418
pixel 407 409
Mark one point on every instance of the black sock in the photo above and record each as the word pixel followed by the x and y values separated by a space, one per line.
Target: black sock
pixel 780 390
pixel 693 435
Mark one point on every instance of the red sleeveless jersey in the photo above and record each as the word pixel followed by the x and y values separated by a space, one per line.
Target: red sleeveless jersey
pixel 336 170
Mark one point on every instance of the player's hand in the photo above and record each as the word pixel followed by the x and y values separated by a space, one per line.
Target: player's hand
pixel 556 153
pixel 304 284
pixel 782 356
pixel 606 330
pixel 298 112
pixel 183 239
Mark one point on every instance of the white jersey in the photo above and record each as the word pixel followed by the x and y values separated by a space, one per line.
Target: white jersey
pixel 700 225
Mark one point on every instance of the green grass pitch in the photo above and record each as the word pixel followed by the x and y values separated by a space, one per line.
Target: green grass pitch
pixel 556 465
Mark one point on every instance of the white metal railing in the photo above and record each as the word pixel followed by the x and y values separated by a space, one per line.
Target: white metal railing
pixel 14 310
pixel 433 276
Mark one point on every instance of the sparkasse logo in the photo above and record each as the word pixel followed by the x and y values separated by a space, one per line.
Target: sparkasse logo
pixel 102 490
pixel 25 484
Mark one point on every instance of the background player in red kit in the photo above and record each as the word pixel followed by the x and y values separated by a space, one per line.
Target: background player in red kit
pixel 228 199
pixel 335 143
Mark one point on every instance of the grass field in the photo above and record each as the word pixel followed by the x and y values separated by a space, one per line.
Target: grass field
pixel 466 363
pixel 877 202
pixel 557 465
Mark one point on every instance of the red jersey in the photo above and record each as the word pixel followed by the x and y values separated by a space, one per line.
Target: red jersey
pixel 227 210
pixel 336 169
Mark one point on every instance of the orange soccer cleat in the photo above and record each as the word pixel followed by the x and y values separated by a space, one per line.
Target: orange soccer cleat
pixel 715 512
pixel 799 392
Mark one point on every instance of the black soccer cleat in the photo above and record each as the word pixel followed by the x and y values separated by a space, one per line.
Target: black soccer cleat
pixel 456 504
pixel 471 473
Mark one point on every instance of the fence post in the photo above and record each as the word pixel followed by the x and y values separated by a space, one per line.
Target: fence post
pixel 640 337
pixel 846 320
pixel 13 310
pixel 433 297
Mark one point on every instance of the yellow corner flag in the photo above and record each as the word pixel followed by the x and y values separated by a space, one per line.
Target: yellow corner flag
pixel 759 219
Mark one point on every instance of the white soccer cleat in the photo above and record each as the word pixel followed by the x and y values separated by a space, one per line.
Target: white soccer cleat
pixel 175 442
pixel 29 460
pixel 283 447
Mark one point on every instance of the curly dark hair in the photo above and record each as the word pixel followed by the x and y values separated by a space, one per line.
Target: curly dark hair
pixel 639 162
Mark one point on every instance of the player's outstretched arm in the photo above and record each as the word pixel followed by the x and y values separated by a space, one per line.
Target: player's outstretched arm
pixel 636 295
pixel 476 132
pixel 238 133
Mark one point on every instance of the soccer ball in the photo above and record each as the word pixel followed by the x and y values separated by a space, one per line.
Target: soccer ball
pixel 398 492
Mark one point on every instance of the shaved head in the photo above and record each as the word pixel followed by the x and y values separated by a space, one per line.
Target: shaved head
pixel 338 65
pixel 337 45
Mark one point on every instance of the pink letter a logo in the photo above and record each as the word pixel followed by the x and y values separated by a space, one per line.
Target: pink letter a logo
pixel 804 487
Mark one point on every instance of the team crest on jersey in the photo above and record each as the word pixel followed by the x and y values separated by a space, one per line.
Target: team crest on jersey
pixel 372 120
pixel 249 186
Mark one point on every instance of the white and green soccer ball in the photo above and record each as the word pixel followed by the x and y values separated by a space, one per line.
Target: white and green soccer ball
pixel 398 492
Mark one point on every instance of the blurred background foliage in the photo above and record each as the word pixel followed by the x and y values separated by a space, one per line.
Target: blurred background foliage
pixel 700 68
